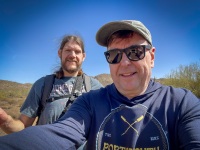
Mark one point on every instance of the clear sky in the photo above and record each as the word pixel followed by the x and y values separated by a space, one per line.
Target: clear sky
pixel 31 31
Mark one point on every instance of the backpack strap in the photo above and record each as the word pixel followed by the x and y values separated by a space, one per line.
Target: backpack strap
pixel 48 84
pixel 80 80
pixel 78 84
pixel 86 80
pixel 74 94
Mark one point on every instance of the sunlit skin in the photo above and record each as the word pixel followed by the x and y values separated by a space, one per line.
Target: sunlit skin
pixel 72 58
pixel 131 78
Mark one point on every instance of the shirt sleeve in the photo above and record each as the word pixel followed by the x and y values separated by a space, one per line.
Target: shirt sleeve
pixel 37 137
pixel 95 84
pixel 32 102
pixel 188 128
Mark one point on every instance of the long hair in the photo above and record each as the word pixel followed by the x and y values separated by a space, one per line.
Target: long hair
pixel 70 38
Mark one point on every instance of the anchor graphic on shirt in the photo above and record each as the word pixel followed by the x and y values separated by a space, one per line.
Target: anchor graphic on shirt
pixel 131 125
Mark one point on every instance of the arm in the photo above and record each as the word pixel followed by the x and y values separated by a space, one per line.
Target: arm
pixel 39 137
pixel 189 129
pixel 10 125
pixel 66 133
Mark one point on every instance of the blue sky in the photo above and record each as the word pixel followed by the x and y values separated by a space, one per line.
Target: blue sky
pixel 31 31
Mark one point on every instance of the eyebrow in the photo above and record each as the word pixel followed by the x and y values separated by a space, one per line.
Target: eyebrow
pixel 124 48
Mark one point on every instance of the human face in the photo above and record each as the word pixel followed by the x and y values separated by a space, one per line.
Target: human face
pixel 72 58
pixel 131 78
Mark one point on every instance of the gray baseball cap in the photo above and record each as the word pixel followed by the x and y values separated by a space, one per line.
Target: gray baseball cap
pixel 108 29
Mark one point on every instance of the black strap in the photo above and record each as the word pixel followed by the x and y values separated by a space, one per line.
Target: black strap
pixel 56 98
pixel 72 97
pixel 48 84
pixel 86 80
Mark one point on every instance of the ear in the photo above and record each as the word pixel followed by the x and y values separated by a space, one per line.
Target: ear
pixel 84 56
pixel 59 53
pixel 152 52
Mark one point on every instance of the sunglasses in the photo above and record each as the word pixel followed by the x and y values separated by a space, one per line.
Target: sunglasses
pixel 133 53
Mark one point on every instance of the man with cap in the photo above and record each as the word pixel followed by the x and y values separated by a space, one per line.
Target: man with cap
pixel 133 113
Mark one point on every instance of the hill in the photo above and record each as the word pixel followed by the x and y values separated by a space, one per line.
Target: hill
pixel 12 95
pixel 105 79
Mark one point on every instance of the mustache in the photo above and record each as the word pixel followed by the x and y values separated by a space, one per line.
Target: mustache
pixel 70 60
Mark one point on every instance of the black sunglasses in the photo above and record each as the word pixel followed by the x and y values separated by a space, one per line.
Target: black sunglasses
pixel 133 53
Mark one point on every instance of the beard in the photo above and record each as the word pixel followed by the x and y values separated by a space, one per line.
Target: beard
pixel 71 68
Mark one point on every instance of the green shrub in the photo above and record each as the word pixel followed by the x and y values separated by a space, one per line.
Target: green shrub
pixel 187 76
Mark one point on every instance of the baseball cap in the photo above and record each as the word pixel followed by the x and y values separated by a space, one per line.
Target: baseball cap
pixel 108 29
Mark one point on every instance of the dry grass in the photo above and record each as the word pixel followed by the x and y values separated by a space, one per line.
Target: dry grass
pixel 12 96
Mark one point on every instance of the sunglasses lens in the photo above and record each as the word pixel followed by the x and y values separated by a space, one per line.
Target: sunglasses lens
pixel 135 53
pixel 113 56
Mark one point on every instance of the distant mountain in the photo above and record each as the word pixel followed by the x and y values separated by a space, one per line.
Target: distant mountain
pixel 104 79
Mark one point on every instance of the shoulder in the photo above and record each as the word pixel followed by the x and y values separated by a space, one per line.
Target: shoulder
pixel 171 93
pixel 92 79
pixel 180 95
pixel 95 94
pixel 95 84
pixel 40 82
pixel 176 91
pixel 100 92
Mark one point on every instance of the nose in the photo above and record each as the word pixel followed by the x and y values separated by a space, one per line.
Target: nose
pixel 125 60
pixel 72 53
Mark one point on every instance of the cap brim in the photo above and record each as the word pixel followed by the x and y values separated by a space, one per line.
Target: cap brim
pixel 107 30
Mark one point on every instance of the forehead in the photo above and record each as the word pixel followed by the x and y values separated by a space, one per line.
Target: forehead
pixel 121 43
pixel 72 45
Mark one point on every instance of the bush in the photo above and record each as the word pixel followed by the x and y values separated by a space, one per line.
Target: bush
pixel 186 77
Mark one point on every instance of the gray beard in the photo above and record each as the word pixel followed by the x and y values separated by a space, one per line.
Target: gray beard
pixel 71 71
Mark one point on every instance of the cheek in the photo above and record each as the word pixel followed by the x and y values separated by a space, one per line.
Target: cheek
pixel 142 67
pixel 147 67
pixel 63 58
pixel 113 70
pixel 149 62
pixel 80 59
